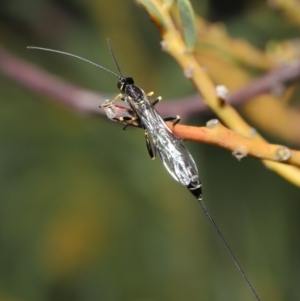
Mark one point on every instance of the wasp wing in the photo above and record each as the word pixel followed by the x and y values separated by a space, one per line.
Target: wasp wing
pixel 174 155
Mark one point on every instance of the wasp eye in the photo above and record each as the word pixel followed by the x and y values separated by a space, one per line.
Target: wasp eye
pixel 122 84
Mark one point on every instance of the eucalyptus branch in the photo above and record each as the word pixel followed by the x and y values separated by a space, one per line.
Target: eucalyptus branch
pixel 216 134
pixel 180 46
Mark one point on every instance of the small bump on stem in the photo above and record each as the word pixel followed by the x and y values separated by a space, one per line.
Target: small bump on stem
pixel 282 153
pixel 211 124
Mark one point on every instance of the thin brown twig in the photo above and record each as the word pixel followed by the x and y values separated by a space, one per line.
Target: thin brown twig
pixel 267 83
pixel 45 84
pixel 85 101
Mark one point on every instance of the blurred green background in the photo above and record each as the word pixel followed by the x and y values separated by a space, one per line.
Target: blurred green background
pixel 86 215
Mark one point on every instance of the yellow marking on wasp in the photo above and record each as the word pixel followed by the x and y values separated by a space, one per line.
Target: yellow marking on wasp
pixel 150 93
pixel 128 120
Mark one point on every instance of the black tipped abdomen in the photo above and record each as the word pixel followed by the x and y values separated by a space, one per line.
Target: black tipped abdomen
pixel 196 190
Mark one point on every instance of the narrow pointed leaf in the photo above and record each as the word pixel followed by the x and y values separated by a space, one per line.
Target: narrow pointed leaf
pixel 153 11
pixel 188 22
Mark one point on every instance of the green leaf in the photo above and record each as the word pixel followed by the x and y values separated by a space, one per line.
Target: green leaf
pixel 168 3
pixel 188 22
pixel 153 11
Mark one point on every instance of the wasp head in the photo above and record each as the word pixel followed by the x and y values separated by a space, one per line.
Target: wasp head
pixel 124 82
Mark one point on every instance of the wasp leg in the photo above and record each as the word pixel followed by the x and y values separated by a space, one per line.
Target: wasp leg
pixel 107 104
pixel 174 119
pixel 127 121
pixel 150 149
pixel 150 93
pixel 156 101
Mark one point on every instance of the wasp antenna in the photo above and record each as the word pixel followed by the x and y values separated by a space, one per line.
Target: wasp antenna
pixel 73 55
pixel 114 58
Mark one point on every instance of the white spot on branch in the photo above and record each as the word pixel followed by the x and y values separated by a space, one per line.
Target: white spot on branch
pixel 211 124
pixel 222 92
pixel 189 72
pixel 283 153
pixel 164 45
pixel 239 153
